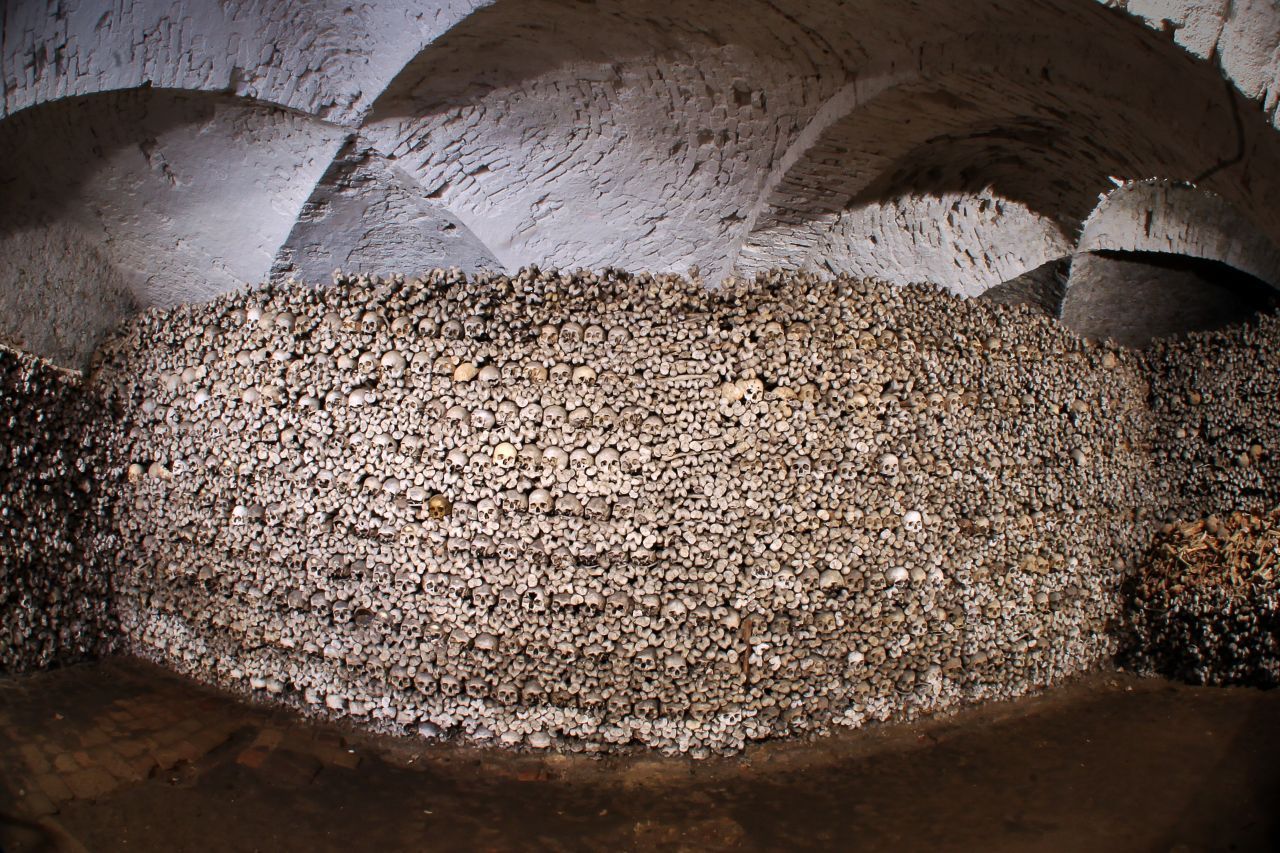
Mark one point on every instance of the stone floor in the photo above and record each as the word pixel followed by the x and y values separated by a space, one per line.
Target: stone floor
pixel 120 755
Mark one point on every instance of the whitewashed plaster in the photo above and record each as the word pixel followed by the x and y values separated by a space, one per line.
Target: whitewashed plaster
pixel 727 135
pixel 367 216
pixel 1177 219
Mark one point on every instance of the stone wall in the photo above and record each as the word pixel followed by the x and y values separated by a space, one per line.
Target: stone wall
pixel 55 559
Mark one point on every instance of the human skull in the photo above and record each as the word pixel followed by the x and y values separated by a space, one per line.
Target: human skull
pixel 540 501
pixel 912 521
pixel 889 465
pixel 438 506
pixel 580 418
pixel 504 455
pixel 608 461
pixel 570 336
pixel 465 372
pixel 530 459
pixel 553 417
pixel 631 462
pixel 584 376
pixel 597 509
pixel 605 419
pixel 457 460
pixel 561 374
pixel 451 330
pixel 624 507
pixel 537 374
pixel 580 459
pixel 555 459
pixel 371 322
pixel 393 364
pixel 483 419
pixel 507 413
pixel 568 505
pixel 473 326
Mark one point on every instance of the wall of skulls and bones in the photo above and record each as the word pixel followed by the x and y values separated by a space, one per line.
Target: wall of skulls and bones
pixel 600 510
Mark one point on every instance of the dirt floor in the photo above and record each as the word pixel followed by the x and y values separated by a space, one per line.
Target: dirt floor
pixel 120 755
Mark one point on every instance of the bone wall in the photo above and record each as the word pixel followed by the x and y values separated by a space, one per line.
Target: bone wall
pixel 54 558
pixel 610 510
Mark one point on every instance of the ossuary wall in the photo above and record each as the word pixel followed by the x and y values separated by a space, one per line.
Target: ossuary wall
pixel 56 555
pixel 600 510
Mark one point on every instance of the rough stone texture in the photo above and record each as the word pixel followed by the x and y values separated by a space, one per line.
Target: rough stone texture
pixel 54 272
pixel 718 135
pixel 1134 297
pixel 1179 219
pixel 55 559
pixel 180 196
pixel 328 58
pixel 972 242
pixel 367 216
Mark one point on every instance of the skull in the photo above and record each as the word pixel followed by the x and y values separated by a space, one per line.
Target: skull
pixel 597 509
pixel 484 597
pixel 473 326
pixel 483 419
pixel 548 334
pixel 889 465
pixel 450 686
pixel 555 459
pixel 631 462
pixel 752 389
pixel 458 418
pixel 570 336
pixel 608 461
pixel 568 505
pixel 584 376
pixel 540 501
pixel 606 418
pixel 480 463
pixel 457 460
pixel 632 417
pixel 438 506
pixel 580 459
pixel 507 413
pixel 371 321
pixel 507 693
pixel 624 507
pixel 534 600
pixel 465 372
pixel 416 496
pixel 504 455
pixel 451 330
pixel 619 604
pixel 530 460
pixel 393 364
pixel 553 417
pixel 561 374
pixel 537 374
pixel 531 415
pixel 618 337
pixel 912 521
pixel 675 666
pixel 800 466
pixel 580 418
pixel 486 510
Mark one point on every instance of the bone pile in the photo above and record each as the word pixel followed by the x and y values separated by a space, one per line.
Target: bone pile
pixel 599 510
pixel 53 582
pixel 1206 606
